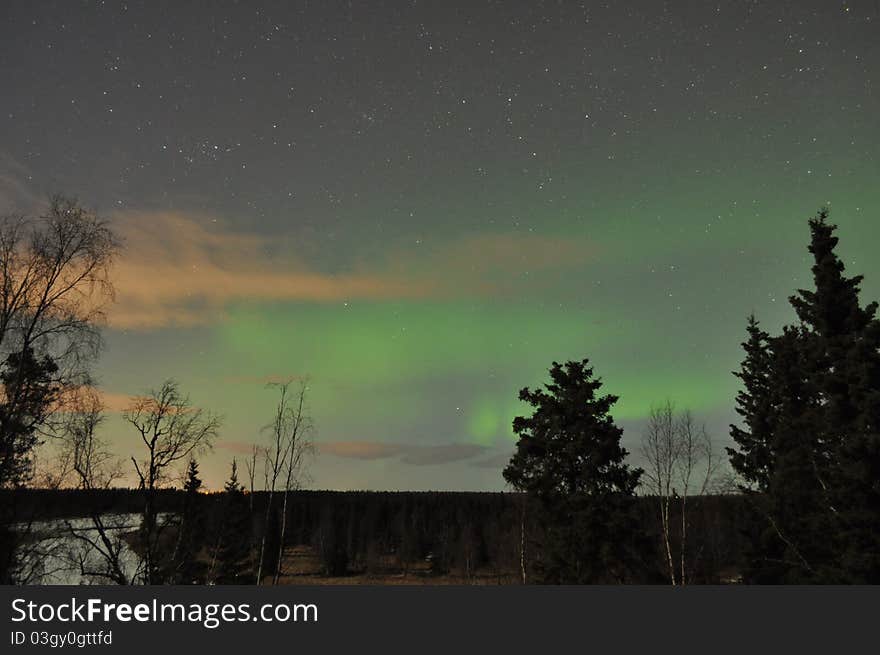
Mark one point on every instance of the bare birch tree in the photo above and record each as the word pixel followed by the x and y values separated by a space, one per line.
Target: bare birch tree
pixel 171 429
pixel 678 455
pixel 274 455
pixel 103 552
pixel 285 461
pixel 300 449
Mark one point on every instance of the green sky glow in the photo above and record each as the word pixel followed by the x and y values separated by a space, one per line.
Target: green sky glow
pixel 623 182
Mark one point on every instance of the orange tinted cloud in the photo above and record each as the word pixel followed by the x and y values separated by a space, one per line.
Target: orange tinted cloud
pixel 416 455
pixel 182 270
pixel 185 269
pixel 119 402
pixel 116 402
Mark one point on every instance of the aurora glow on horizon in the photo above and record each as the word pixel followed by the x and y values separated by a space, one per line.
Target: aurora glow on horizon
pixel 421 207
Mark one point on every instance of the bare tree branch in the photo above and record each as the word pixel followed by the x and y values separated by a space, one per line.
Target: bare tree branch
pixel 676 452
pixel 171 429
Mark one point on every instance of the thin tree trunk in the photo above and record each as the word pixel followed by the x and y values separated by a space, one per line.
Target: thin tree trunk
pixel 281 539
pixel 665 527
pixel 263 539
pixel 683 535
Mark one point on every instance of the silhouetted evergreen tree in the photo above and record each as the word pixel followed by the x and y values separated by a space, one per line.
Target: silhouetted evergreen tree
pixel 29 389
pixel 844 350
pixel 774 454
pixel 570 459
pixel 234 553
pixel 189 568
pixel 753 403
pixel 811 407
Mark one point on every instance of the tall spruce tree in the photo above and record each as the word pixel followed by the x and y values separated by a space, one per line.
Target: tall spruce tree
pixel 189 567
pixel 811 409
pixel 569 459
pixel 753 460
pixel 844 350
pixel 234 553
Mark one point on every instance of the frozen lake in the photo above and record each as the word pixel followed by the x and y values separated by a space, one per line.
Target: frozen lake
pixel 59 552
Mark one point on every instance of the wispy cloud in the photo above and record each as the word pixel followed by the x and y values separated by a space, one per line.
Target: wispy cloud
pixel 415 455
pixel 180 269
pixel 116 402
pixel 186 269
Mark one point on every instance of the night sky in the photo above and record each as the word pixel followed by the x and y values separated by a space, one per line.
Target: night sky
pixel 421 206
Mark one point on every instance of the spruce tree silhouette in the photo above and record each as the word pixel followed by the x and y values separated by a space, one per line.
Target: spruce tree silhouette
pixel 234 552
pixel 810 447
pixel 753 460
pixel 189 568
pixel 30 390
pixel 570 460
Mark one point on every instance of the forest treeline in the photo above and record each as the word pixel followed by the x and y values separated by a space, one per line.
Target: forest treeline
pixel 470 536
pixel 799 502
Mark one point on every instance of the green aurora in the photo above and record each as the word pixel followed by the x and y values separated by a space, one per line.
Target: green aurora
pixel 623 182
